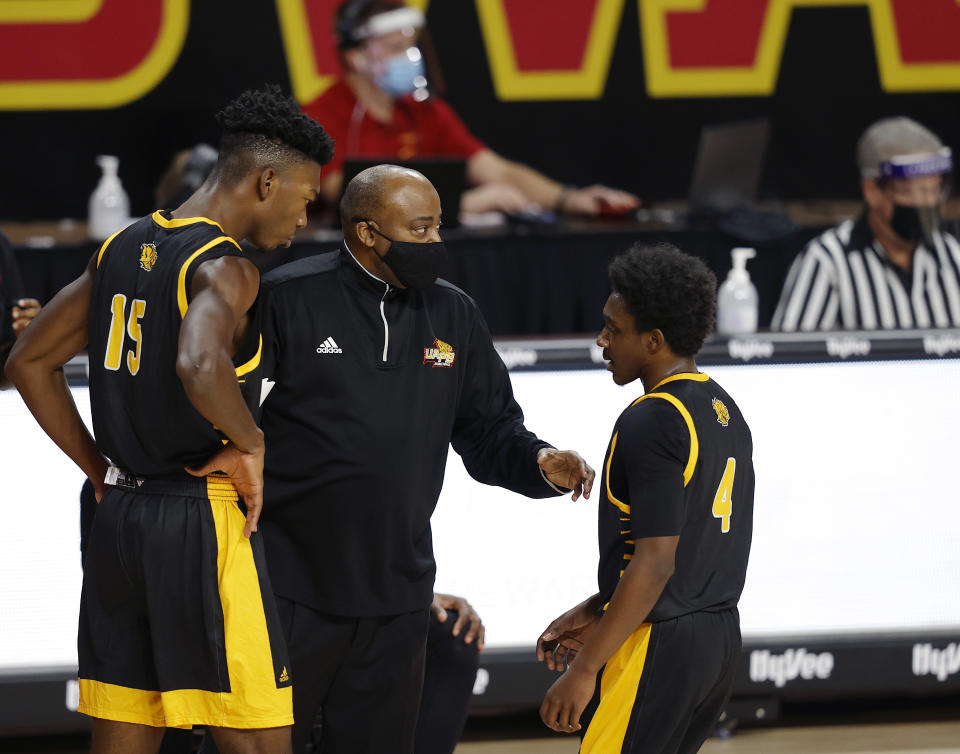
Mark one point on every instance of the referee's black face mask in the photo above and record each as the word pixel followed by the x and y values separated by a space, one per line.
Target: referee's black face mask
pixel 915 224
pixel 416 265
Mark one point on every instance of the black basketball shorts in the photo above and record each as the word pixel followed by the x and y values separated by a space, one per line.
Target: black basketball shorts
pixel 178 624
pixel 664 689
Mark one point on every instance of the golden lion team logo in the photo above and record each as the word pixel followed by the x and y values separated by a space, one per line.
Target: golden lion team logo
pixel 440 354
pixel 723 416
pixel 148 256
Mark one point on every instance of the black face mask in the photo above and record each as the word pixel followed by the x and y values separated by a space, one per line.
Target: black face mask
pixel 915 224
pixel 416 265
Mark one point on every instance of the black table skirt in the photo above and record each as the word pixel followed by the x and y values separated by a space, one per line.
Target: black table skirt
pixel 526 281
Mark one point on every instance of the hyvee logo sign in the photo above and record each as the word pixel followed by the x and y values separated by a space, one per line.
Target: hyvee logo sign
pixel 941 663
pixel 789 666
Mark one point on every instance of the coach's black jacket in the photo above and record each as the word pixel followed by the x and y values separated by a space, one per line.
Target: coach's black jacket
pixel 371 385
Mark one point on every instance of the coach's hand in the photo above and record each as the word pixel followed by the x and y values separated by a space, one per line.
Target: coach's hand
pixel 566 699
pixel 467 617
pixel 566 468
pixel 245 469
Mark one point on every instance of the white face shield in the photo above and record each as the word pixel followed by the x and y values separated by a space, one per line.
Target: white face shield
pixel 918 185
pixel 395 60
pixel 406 20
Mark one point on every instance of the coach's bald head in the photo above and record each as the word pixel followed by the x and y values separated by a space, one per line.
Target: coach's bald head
pixel 388 203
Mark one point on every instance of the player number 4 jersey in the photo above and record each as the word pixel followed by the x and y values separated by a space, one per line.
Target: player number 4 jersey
pixel 680 462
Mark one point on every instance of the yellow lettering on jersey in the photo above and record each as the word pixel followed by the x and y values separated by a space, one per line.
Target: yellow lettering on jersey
pixel 118 313
pixel 137 309
pixel 118 306
pixel 723 500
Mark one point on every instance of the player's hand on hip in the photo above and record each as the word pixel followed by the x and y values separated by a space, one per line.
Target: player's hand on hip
pixel 245 469
pixel 567 468
pixel 566 699
pixel 467 617
pixel 564 637
pixel 21 314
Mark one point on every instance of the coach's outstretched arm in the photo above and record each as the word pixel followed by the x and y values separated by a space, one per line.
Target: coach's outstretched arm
pixel 35 366
pixel 222 292
pixel 490 436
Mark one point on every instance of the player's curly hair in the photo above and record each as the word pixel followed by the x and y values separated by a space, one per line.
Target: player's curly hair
pixel 265 127
pixel 664 288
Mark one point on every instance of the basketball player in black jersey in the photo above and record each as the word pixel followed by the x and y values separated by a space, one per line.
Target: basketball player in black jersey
pixel 178 626
pixel 675 525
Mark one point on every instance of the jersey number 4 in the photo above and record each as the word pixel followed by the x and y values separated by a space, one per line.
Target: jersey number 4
pixel 118 315
pixel 723 500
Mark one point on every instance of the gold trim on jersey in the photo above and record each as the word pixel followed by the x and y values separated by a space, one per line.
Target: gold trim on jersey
pixel 621 505
pixel 253 363
pixel 180 222
pixel 695 376
pixel 182 277
pixel 105 245
pixel 618 694
pixel 694 441
pixel 677 404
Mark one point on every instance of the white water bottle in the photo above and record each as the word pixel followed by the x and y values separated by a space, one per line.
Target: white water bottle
pixel 109 208
pixel 737 298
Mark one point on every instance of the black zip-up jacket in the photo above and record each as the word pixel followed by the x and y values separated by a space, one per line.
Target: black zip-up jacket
pixel 371 384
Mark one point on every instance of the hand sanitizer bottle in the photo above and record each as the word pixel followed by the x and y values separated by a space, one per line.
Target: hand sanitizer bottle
pixel 109 208
pixel 737 298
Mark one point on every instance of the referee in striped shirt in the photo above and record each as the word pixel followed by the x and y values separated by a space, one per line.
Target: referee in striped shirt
pixel 893 268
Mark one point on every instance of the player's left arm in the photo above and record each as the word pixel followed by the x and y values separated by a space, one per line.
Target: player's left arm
pixel 656 443
pixel 639 589
pixel 35 366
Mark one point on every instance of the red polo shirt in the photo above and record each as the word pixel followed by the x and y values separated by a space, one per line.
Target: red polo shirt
pixel 418 129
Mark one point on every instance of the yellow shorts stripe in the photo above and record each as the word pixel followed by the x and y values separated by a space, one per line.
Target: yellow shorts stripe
pixel 249 660
pixel 618 692
pixel 182 708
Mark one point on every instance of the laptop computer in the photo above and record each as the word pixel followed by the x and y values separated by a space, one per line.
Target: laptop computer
pixel 729 165
pixel 448 175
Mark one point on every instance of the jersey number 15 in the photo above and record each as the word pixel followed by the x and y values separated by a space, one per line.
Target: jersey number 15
pixel 118 315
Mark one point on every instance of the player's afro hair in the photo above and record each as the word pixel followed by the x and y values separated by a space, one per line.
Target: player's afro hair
pixel 664 288
pixel 264 125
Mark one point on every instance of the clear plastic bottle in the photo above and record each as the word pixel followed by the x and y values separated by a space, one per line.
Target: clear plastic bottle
pixel 737 297
pixel 109 207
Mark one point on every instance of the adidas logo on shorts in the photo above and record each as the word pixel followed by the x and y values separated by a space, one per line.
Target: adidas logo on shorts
pixel 329 346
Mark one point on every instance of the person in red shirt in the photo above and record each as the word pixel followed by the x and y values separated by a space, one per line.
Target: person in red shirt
pixel 381 108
